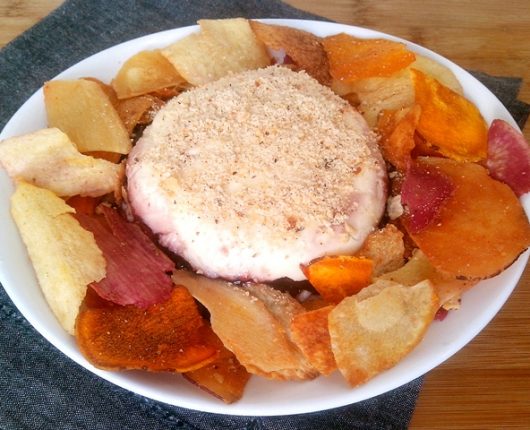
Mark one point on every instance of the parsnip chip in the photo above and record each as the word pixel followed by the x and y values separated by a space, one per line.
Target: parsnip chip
pixel 338 277
pixel 145 72
pixel 64 255
pixel 82 110
pixel 310 333
pixel 480 228
pixel 247 328
pixel 303 48
pixel 164 337
pixel 386 249
pixel 371 334
pixel 225 377
pixel 221 47
pixel 418 268
pixel 47 158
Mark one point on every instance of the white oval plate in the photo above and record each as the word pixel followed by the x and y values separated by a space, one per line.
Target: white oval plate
pixel 262 397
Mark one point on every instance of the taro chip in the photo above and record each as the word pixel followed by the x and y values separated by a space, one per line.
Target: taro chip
pixel 373 333
pixel 338 277
pixel 309 331
pixel 448 121
pixel 164 337
pixel 352 59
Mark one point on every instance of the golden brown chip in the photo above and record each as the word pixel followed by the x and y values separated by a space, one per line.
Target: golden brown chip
pixel 144 73
pixel 65 256
pixel 221 47
pixel 310 333
pixel 372 334
pixel 385 247
pixel 82 110
pixel 164 337
pixel 247 328
pixel 418 268
pixel 225 377
pixel 305 49
pixel 138 110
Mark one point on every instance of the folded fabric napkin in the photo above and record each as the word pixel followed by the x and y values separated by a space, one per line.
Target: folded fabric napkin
pixel 41 388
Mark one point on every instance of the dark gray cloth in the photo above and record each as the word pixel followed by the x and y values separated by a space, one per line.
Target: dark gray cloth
pixel 41 388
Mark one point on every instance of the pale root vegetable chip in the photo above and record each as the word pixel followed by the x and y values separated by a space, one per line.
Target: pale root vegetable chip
pixel 386 249
pixel 247 328
pixel 145 72
pixel 337 277
pixel 438 71
pixel 225 377
pixel 449 122
pixel 303 48
pixel 374 331
pixel 310 333
pixel 48 158
pixel 479 230
pixel 448 288
pixel 83 110
pixel 166 336
pixel 64 255
pixel 220 48
pixel 352 59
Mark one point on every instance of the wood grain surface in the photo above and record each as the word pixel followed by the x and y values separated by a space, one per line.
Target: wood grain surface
pixel 487 384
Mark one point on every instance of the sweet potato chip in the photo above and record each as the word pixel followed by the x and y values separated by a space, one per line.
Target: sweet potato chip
pixel 418 268
pixel 397 130
pixel 224 377
pixel 164 337
pixel 479 230
pixel 438 71
pixel 144 73
pixel 138 110
pixel 338 277
pixel 310 333
pixel 304 49
pixel 386 249
pixel 247 328
pixel 65 257
pixel 351 59
pixel 373 333
pixel 448 121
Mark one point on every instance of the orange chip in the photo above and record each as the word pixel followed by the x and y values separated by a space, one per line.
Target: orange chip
pixel 309 331
pixel 138 110
pixel 224 377
pixel 352 59
pixel 83 204
pixel 449 122
pixel 338 277
pixel 397 130
pixel 164 337
pixel 305 49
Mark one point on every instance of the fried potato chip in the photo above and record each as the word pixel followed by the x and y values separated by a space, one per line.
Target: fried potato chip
pixel 107 89
pixel 438 71
pixel 82 110
pixel 48 158
pixel 397 129
pixel 386 249
pixel 448 121
pixel 303 48
pixel 263 346
pixel 372 334
pixel 225 377
pixel 480 229
pixel 310 333
pixel 352 59
pixel 138 110
pixel 221 47
pixel 338 277
pixel 144 73
pixel 164 337
pixel 64 255
pixel 418 268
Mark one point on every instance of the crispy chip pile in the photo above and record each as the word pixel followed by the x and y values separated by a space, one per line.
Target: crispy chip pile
pixel 164 337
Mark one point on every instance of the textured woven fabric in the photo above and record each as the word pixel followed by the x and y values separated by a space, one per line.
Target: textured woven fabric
pixel 43 389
